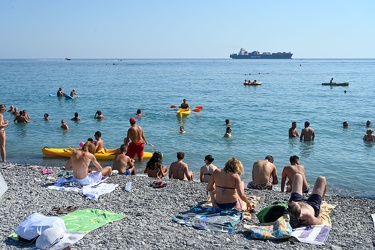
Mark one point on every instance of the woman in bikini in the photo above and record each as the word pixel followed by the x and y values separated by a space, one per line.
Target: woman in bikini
pixel 207 170
pixel 155 168
pixel 227 188
pixel 3 137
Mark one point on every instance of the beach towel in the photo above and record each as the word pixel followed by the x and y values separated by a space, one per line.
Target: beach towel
pixel 91 192
pixel 210 219
pixel 279 229
pixel 316 234
pixel 3 186
pixel 81 222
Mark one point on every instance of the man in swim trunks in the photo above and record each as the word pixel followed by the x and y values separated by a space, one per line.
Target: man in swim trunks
pixel 307 134
pixel 307 211
pixel 290 171
pixel 80 161
pixel 179 169
pixel 263 174
pixel 184 105
pixel 123 163
pixel 135 140
pixel 293 132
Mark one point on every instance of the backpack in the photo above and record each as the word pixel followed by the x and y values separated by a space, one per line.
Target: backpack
pixel 274 211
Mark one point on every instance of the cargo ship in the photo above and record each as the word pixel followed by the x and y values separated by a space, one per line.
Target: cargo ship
pixel 243 54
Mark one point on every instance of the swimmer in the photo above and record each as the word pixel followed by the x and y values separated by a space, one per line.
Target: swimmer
pixel 228 133
pixel 182 130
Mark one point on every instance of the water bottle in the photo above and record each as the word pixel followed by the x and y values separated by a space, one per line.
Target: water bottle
pixel 128 186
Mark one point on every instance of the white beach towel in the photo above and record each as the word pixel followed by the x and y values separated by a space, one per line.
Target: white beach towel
pixel 92 192
pixel 316 234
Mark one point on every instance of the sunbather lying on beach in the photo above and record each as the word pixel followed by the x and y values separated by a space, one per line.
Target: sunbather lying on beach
pixel 307 211
pixel 79 162
pixel 227 188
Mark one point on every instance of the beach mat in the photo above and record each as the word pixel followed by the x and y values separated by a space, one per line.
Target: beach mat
pixel 81 222
pixel 316 234
pixel 210 219
pixel 3 186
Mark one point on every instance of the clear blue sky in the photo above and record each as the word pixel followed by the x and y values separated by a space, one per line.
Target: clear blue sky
pixel 185 29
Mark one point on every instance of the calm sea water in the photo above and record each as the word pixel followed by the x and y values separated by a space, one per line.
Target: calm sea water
pixel 262 115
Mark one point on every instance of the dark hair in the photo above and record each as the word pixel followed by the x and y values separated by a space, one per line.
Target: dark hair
pixel 123 148
pixel 227 121
pixel 295 209
pixel 138 111
pixel 307 123
pixel 156 158
pixel 76 114
pixel 180 155
pixel 209 158
pixel 99 112
pixel 293 159
pixel 98 133
pixel 45 114
pixel 269 158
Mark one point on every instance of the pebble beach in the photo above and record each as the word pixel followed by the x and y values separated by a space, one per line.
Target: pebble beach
pixel 148 223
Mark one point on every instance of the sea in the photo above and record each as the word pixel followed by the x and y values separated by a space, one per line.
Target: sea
pixel 261 115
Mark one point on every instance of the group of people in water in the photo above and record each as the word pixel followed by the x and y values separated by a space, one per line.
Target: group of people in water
pixel 61 93
pixel 249 82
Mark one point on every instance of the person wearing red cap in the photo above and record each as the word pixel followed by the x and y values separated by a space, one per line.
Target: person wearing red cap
pixel 135 140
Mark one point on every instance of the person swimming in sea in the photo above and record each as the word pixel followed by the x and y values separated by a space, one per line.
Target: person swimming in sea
pixel 228 133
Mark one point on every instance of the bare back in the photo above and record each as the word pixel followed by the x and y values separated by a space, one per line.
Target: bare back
pixel 262 171
pixel 288 174
pixel 307 134
pixel 179 170
pixel 79 162
pixel 121 162
pixel 135 134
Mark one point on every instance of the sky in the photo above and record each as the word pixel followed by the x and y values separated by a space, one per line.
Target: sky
pixel 185 29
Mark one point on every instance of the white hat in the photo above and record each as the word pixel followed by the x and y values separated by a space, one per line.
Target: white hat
pixel 50 237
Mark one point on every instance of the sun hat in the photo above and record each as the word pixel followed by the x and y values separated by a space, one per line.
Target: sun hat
pixel 132 120
pixel 50 237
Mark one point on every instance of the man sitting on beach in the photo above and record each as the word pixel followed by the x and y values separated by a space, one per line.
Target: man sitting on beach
pixel 179 169
pixel 80 161
pixel 263 174
pixel 290 171
pixel 123 163
pixel 307 211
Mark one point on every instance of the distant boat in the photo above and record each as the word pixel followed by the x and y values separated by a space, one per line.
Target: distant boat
pixel 335 84
pixel 243 54
pixel 68 59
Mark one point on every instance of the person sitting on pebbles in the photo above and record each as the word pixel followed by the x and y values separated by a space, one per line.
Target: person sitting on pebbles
pixel 155 167
pixel 179 169
pixel 123 163
pixel 226 187
pixel 80 161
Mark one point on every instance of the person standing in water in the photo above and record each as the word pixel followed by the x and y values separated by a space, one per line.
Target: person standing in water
pixel 135 139
pixel 3 137
pixel 293 130
pixel 307 134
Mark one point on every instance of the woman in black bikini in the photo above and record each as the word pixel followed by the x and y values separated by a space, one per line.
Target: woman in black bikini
pixel 227 188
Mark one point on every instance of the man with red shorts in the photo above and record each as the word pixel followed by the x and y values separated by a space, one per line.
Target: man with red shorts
pixel 135 140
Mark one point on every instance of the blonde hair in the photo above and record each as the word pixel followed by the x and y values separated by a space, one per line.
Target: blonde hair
pixel 89 147
pixel 234 165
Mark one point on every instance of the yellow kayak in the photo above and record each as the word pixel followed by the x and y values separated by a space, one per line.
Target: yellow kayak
pixel 182 112
pixel 109 154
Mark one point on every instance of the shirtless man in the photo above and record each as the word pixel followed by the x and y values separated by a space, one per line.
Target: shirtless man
pixel 263 174
pixel 135 140
pixel 184 105
pixel 60 92
pixel 3 137
pixel 76 118
pixel 99 115
pixel 293 130
pixel 179 169
pixel 20 118
pixel 307 211
pixel 64 125
pixel 290 171
pixel 25 114
pixel 79 162
pixel 307 134
pixel 123 163
pixel 99 145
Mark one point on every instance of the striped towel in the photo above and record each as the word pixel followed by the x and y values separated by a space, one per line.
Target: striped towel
pixel 316 234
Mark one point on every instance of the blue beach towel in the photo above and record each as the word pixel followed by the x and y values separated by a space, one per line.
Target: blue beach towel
pixel 210 219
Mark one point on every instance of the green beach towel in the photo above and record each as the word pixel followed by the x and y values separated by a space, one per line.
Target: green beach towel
pixel 81 222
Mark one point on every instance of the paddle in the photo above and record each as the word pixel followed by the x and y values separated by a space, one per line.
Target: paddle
pixel 197 110
pixel 199 107
pixel 173 106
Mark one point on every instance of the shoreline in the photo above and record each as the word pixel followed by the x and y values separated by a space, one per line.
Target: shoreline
pixel 149 212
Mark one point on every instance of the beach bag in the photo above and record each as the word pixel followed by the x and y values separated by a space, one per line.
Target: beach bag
pixel 33 226
pixel 275 211
pixel 277 230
